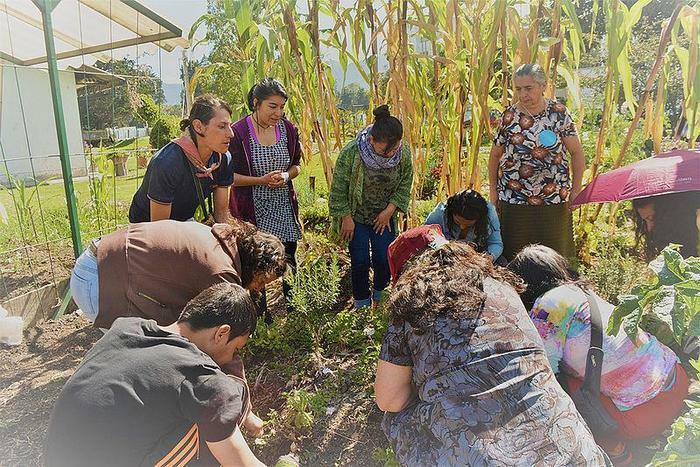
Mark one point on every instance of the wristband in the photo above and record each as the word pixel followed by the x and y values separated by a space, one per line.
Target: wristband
pixel 285 176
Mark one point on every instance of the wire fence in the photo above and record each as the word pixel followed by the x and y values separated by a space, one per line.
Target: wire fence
pixel 36 246
pixel 35 237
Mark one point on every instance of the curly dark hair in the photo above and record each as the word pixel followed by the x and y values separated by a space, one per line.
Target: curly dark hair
pixel 260 252
pixel 472 206
pixel 675 222
pixel 447 281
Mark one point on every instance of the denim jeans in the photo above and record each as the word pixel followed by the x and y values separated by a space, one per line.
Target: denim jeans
pixel 363 238
pixel 84 284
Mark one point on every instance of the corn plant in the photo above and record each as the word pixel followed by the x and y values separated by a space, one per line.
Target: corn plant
pixel 448 61
pixel 98 206
pixel 688 58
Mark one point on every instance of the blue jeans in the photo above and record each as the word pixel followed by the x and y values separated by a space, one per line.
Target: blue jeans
pixel 84 284
pixel 364 237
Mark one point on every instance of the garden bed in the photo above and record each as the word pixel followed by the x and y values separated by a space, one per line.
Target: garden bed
pixel 310 375
pixel 32 267
pixel 33 373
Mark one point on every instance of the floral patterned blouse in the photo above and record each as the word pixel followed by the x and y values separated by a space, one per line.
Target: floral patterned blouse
pixel 486 394
pixel 533 170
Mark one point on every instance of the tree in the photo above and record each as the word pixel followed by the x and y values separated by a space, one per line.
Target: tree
pixel 116 105
pixel 164 130
pixel 147 110
pixel 232 52
pixel 354 96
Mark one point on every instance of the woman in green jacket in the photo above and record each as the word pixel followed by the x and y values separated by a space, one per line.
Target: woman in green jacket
pixel 371 182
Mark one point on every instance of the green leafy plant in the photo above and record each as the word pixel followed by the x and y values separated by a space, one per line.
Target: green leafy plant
pixel 668 305
pixel 386 457
pixel 683 446
pixel 163 131
pixel 315 216
pixel 297 410
pixel 269 338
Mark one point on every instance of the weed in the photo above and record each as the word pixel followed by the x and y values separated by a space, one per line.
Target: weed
pixel 386 456
pixel 297 410
pixel 23 196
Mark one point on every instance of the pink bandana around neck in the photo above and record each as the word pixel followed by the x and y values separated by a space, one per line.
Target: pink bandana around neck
pixel 192 154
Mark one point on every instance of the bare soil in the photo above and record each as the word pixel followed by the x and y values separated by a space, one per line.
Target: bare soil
pixel 33 373
pixel 31 267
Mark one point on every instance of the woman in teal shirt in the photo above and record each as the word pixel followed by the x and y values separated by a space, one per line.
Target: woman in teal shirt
pixel 468 216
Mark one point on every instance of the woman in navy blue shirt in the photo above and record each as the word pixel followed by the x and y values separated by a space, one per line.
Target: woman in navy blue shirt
pixel 186 171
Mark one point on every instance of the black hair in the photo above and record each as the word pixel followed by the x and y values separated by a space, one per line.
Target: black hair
pixel 221 304
pixel 675 217
pixel 472 206
pixel 268 87
pixel 542 269
pixel 386 128
pixel 261 253
pixel 203 109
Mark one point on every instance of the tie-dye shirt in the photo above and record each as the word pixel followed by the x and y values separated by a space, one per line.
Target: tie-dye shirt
pixel 632 374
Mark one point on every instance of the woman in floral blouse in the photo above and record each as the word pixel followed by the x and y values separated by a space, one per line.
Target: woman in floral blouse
pixel 462 374
pixel 530 174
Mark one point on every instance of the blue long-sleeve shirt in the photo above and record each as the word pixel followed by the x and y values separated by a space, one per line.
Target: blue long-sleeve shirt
pixel 494 243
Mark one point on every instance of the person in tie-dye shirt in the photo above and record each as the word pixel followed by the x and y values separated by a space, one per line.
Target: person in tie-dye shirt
pixel 642 384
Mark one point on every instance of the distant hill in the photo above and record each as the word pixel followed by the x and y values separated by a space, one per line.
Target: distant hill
pixel 172 90
pixel 352 76
pixel 172 93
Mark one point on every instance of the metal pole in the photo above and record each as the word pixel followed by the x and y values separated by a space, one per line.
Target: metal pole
pixel 46 7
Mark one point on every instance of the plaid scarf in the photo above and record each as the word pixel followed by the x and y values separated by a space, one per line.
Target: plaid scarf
pixel 373 160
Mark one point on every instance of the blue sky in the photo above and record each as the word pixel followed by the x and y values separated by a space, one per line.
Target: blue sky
pixel 182 13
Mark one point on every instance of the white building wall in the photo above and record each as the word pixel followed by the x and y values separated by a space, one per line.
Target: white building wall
pixel 27 127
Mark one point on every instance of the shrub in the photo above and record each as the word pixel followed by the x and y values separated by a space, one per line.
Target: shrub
pixel 315 216
pixel 315 289
pixel 164 130
pixel 613 269
pixel 667 305
pixel 147 110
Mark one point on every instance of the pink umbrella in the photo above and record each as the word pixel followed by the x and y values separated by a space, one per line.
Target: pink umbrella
pixel 671 172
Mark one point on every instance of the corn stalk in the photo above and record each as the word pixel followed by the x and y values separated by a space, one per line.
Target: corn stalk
pixel 310 79
pixel 484 52
pixel 688 58
pixel 443 59
pixel 660 54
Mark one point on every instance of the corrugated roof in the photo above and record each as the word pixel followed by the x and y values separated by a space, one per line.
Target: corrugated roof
pixel 82 27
